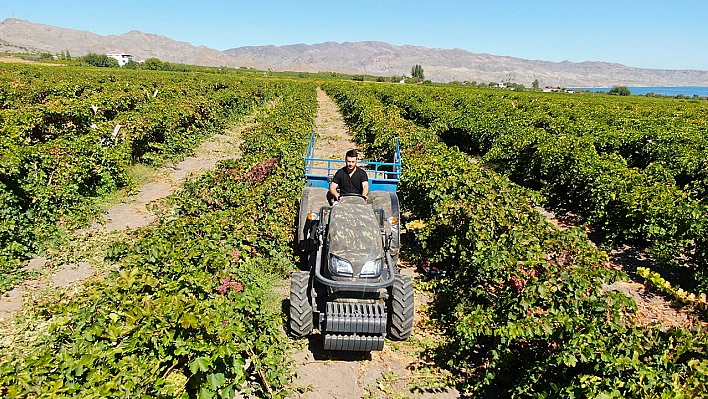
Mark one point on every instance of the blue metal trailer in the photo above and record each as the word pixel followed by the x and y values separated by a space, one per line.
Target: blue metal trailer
pixel 383 176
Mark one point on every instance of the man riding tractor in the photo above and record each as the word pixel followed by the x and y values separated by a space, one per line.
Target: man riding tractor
pixel 350 179
pixel 352 290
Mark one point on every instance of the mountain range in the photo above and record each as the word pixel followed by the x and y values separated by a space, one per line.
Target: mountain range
pixel 370 57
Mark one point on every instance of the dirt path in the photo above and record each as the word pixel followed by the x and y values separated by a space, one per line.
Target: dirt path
pixel 134 214
pixel 334 137
pixel 382 374
pixel 652 308
pixel 21 61
pixel 131 213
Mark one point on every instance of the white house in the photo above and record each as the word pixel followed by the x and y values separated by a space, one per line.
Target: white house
pixel 120 57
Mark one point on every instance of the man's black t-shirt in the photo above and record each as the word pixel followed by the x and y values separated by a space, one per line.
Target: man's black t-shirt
pixel 350 185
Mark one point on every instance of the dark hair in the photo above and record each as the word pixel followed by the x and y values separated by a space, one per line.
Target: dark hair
pixel 352 154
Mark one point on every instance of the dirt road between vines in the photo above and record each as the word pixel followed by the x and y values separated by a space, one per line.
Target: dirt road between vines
pixel 131 213
pixel 383 374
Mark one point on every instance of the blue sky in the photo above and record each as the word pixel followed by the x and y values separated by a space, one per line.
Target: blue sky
pixel 646 34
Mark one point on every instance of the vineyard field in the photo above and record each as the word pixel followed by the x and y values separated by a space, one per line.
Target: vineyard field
pixel 68 136
pixel 524 308
pixel 187 314
pixel 191 308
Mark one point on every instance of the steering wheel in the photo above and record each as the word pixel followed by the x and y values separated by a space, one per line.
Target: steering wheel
pixel 366 200
pixel 362 196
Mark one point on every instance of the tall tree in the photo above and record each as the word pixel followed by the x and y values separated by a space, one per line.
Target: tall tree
pixel 417 72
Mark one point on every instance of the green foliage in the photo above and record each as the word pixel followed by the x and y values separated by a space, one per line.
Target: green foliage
pixel 524 309
pixel 620 91
pixel 630 167
pixel 154 64
pixel 131 65
pixel 515 86
pixel 417 72
pixel 190 313
pixel 100 60
pixel 68 136
pixel 654 280
pixel 65 56
pixel 524 306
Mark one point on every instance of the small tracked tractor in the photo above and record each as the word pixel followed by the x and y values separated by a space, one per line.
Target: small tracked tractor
pixel 351 291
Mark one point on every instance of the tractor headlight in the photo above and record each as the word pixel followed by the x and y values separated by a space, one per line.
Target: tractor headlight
pixel 371 268
pixel 340 267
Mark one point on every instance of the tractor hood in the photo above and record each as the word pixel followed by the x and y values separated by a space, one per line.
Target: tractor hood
pixel 354 233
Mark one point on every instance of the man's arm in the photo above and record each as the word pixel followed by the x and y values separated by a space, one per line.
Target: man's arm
pixel 364 182
pixel 333 190
pixel 365 188
pixel 334 185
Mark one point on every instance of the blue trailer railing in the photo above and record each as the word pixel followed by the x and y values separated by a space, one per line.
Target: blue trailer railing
pixel 383 176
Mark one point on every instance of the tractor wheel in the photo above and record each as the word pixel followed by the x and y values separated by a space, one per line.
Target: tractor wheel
pixel 301 318
pixel 401 308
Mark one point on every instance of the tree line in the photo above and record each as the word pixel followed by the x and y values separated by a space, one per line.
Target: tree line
pixel 152 64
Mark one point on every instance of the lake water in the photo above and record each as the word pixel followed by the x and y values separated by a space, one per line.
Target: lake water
pixel 663 90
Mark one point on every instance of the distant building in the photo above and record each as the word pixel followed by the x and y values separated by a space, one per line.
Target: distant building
pixel 551 89
pixel 120 57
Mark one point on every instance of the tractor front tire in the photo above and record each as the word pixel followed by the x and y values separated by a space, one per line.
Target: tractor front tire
pixel 301 316
pixel 401 308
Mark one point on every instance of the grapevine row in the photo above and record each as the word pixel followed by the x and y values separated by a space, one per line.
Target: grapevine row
pixel 556 144
pixel 68 135
pixel 663 137
pixel 190 313
pixel 524 308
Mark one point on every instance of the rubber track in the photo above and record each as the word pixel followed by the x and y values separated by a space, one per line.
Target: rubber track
pixel 301 322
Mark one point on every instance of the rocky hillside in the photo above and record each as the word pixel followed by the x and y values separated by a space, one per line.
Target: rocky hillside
pixel 375 58
pixel 445 65
pixel 17 34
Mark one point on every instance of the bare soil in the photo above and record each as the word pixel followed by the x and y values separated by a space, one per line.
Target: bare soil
pixel 334 136
pixel 21 61
pixel 132 213
pixel 343 375
pixel 651 308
